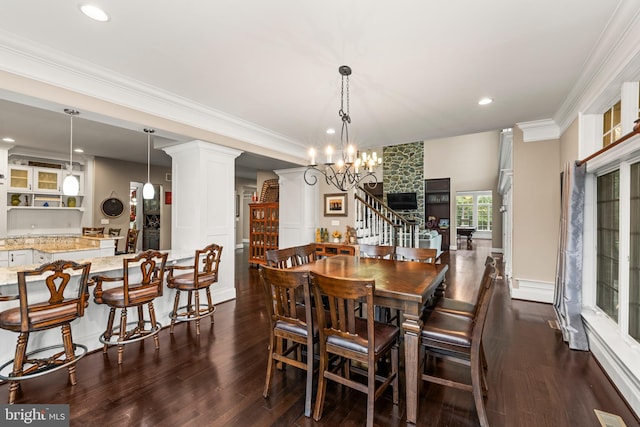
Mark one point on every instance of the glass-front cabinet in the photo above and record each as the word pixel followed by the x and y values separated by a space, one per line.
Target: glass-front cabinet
pixel 46 180
pixel 20 178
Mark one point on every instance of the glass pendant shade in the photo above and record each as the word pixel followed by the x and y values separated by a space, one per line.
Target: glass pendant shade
pixel 70 185
pixel 147 191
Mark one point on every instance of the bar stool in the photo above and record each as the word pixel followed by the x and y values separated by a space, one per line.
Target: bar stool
pixel 142 282
pixel 65 285
pixel 204 274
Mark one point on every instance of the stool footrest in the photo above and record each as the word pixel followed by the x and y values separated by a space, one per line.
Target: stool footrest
pixel 49 364
pixel 132 335
pixel 187 313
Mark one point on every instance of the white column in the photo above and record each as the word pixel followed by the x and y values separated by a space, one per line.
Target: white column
pixel 298 208
pixel 203 205
pixel 4 183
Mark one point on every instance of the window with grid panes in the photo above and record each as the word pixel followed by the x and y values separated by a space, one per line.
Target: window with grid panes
pixel 464 210
pixel 607 253
pixel 485 213
pixel 611 124
pixel 634 253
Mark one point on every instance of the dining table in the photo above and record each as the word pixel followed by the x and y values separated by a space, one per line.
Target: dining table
pixel 403 285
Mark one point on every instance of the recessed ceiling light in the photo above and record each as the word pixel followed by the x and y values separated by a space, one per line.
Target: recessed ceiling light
pixel 94 12
pixel 78 150
pixel 331 131
pixel 485 101
pixel 7 139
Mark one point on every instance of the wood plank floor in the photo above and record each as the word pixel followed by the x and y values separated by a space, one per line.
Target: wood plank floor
pixel 216 379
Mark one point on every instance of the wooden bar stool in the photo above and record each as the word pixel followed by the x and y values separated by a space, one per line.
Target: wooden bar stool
pixel 204 273
pixel 142 282
pixel 63 299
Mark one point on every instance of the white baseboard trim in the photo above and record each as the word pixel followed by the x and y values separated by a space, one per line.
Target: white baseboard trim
pixel 245 240
pixel 617 356
pixel 496 250
pixel 532 290
pixel 239 245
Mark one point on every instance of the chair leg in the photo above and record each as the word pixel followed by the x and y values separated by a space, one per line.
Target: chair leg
pixel 267 382
pixel 140 319
pixel 69 353
pixel 123 333
pixel 18 364
pixel 210 302
pixel 309 387
pixel 394 372
pixel 154 324
pixel 176 303
pixel 322 387
pixel 197 310
pixel 109 332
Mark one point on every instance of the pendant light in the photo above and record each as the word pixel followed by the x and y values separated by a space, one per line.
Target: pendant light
pixel 147 191
pixel 70 185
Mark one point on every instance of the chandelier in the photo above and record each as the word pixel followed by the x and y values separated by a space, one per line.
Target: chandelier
pixel 349 168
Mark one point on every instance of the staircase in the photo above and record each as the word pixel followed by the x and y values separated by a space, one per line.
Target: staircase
pixel 377 224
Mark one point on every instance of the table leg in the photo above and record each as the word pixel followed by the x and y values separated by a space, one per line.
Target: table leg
pixel 412 325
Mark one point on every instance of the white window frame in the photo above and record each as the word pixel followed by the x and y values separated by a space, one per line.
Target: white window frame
pixel 484 234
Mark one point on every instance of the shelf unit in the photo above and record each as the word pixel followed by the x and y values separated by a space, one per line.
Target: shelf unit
pixel 333 249
pixel 263 230
pixel 437 197
pixel 34 187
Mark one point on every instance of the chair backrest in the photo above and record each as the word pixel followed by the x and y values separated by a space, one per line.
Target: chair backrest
pixel 341 296
pixel 66 282
pixel 93 231
pixel 426 255
pixel 148 270
pixel 113 232
pixel 488 277
pixel 377 251
pixel 284 290
pixel 306 253
pixel 132 240
pixel 206 263
pixel 282 258
pixel 476 345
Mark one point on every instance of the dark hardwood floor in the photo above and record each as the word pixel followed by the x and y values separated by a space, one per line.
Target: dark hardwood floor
pixel 217 379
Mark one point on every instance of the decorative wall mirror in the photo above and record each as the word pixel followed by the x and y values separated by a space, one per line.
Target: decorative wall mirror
pixel 112 207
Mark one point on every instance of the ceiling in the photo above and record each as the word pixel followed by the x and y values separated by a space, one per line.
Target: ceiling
pixel 419 69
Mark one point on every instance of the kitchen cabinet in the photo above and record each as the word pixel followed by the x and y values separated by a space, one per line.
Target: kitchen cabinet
pixel 47 180
pixel 20 178
pixel 20 257
pixel 4 258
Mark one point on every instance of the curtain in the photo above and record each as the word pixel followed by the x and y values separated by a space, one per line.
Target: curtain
pixel 568 287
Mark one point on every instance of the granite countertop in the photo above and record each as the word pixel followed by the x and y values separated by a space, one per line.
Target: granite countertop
pixel 9 276
pixel 54 244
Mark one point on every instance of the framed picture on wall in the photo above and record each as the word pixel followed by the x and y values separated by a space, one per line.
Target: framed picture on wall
pixel 335 204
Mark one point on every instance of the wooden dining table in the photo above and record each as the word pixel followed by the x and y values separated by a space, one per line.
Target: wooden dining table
pixel 403 285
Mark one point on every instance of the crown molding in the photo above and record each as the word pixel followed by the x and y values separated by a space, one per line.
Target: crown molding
pixel 29 60
pixel 614 59
pixel 539 130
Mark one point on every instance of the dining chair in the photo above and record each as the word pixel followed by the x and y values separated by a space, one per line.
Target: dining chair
pixel 291 324
pixel 282 258
pixel 196 277
pixel 458 339
pixel 377 251
pixel 141 284
pixel 306 254
pixel 63 299
pixel 131 242
pixel 465 308
pixel 427 255
pixel 93 231
pixel 353 339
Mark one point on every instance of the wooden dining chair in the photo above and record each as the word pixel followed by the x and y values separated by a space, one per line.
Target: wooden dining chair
pixel 353 339
pixel 131 242
pixel 377 251
pixel 465 308
pixel 64 284
pixel 459 340
pixel 306 254
pixel 114 232
pixel 427 255
pixel 282 258
pixel 192 279
pixel 93 231
pixel 291 324
pixel 141 283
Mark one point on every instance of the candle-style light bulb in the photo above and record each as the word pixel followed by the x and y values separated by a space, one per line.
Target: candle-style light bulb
pixel 350 151
pixel 312 154
pixel 329 154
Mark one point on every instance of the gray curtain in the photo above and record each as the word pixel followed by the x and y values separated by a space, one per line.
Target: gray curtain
pixel 568 291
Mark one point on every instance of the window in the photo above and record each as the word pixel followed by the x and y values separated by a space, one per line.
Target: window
pixel 464 210
pixel 607 253
pixel 611 124
pixel 475 209
pixel 634 254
